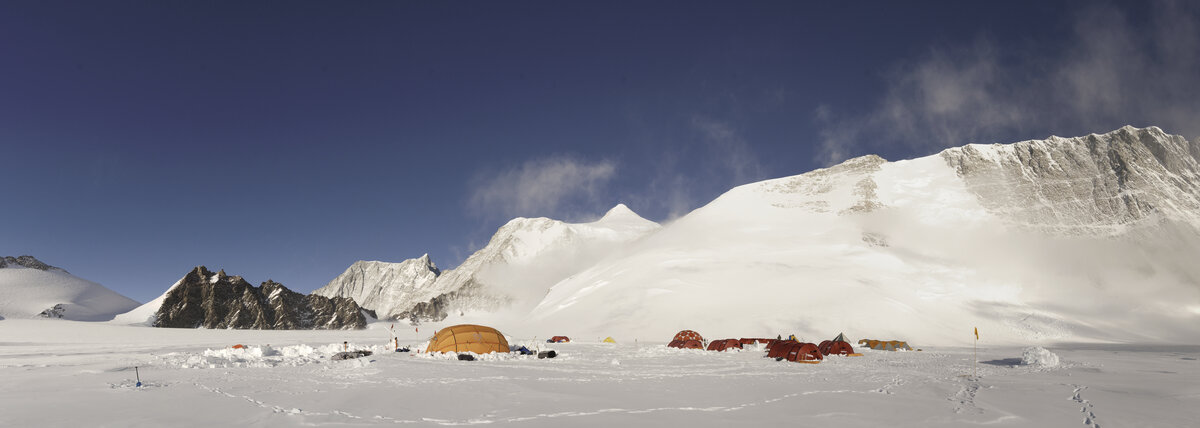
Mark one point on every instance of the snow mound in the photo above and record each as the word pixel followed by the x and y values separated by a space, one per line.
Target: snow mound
pixel 260 356
pixel 26 292
pixel 1039 356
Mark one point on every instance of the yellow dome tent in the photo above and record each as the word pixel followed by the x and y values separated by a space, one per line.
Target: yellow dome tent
pixel 609 339
pixel 468 338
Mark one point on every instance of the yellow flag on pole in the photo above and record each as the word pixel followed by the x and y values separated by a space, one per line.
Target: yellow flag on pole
pixel 976 333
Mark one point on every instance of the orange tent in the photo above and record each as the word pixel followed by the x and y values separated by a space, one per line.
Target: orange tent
pixel 468 338
pixel 886 345
pixel 559 339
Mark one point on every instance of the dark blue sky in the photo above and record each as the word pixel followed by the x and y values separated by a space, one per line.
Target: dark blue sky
pixel 286 140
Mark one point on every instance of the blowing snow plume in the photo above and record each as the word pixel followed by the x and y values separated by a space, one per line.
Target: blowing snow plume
pixel 1107 74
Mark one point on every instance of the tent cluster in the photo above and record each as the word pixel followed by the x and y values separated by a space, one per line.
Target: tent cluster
pixel 477 339
pixel 789 349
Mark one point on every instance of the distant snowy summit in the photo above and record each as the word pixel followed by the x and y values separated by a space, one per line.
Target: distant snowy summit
pixel 518 265
pixel 31 288
pixel 204 299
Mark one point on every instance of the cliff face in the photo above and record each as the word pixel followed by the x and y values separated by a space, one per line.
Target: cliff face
pixel 1098 184
pixel 215 300
pixel 385 288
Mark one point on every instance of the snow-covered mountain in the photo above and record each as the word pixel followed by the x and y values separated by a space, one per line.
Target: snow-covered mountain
pixel 30 288
pixel 386 288
pixel 512 272
pixel 1064 239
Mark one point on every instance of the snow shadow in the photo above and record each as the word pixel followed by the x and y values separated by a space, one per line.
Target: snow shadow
pixel 1005 362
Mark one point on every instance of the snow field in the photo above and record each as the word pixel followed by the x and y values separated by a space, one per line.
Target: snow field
pixel 48 367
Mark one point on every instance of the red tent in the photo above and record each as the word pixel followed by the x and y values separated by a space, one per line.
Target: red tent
pixel 688 335
pixel 778 348
pixel 686 344
pixel 724 344
pixel 839 347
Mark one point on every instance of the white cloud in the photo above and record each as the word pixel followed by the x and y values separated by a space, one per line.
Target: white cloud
pixel 558 187
pixel 1111 72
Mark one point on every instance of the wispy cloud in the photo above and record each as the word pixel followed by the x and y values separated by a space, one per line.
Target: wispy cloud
pixel 713 157
pixel 557 187
pixel 731 152
pixel 1110 72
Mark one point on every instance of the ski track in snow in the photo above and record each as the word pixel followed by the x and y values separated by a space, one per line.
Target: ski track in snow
pixel 574 414
pixel 965 399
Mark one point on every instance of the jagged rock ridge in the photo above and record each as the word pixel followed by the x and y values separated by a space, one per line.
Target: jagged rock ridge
pixel 27 261
pixel 215 300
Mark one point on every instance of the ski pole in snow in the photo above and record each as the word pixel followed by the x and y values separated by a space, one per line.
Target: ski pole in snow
pixel 138 375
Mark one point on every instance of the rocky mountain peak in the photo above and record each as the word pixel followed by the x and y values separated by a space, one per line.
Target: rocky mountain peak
pixel 205 299
pixel 28 262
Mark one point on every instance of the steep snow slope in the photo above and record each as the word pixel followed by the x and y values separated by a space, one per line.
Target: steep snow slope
pixel 145 314
pixel 28 287
pixel 383 287
pixel 921 250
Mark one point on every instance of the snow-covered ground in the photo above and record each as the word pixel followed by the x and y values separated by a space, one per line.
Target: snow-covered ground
pixel 65 373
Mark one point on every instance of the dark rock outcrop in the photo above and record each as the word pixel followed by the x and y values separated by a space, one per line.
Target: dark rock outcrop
pixel 55 312
pixel 27 261
pixel 216 300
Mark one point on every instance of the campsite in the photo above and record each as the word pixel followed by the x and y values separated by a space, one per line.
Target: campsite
pixel 286 378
